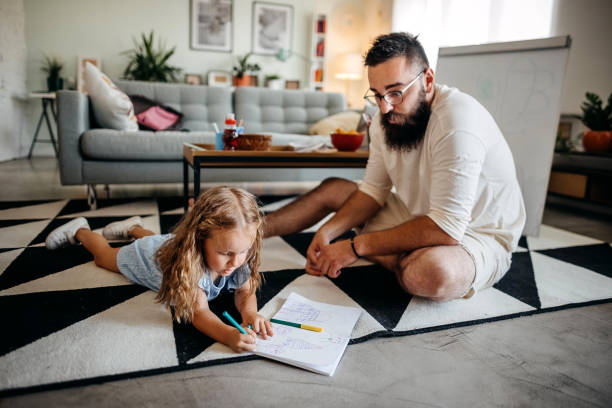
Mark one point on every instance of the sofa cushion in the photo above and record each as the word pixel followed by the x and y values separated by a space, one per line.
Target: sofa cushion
pixel 201 105
pixel 284 111
pixel 106 144
pixel 111 107
pixel 345 120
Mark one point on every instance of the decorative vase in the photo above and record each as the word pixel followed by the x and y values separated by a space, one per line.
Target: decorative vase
pixel 244 80
pixel 54 83
pixel 597 141
pixel 275 84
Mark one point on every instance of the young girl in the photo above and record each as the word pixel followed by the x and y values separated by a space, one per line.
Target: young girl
pixel 215 246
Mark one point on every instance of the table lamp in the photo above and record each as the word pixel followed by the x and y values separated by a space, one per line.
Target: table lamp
pixel 349 67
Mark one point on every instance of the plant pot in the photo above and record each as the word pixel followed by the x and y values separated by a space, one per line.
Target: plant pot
pixel 245 80
pixel 54 83
pixel 597 141
pixel 275 84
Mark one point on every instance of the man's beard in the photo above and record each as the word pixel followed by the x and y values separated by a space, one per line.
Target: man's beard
pixel 410 131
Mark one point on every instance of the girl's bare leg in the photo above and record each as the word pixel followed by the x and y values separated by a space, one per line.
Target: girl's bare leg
pixel 105 256
pixel 139 232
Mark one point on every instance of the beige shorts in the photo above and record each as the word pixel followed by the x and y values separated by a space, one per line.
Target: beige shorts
pixel 491 260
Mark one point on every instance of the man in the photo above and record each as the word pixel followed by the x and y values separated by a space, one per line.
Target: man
pixel 457 213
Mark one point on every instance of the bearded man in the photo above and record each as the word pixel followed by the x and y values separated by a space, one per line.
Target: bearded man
pixel 439 206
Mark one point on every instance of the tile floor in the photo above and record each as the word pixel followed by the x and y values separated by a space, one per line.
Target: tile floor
pixel 555 359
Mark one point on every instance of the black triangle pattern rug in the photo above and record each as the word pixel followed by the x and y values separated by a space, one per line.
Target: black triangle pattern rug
pixel 69 323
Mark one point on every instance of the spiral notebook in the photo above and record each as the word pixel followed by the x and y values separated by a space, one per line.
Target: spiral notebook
pixel 319 352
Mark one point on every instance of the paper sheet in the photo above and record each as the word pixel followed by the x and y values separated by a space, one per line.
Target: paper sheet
pixel 315 351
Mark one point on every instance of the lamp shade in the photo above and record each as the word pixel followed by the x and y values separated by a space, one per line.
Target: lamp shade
pixel 349 66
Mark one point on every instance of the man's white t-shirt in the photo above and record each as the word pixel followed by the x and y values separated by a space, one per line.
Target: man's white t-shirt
pixel 462 175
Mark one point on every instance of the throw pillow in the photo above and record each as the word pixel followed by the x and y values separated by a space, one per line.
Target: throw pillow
pixel 347 120
pixel 111 107
pixel 367 115
pixel 152 115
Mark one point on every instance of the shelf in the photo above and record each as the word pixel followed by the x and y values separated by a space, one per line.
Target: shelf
pixel 317 52
pixel 582 176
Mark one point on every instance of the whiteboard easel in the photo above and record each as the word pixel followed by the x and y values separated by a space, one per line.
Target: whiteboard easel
pixel 520 83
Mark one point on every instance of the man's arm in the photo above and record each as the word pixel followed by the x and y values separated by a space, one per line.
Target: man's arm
pixel 355 211
pixel 417 233
pixel 358 208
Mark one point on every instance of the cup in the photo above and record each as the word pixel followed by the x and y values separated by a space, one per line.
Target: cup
pixel 219 141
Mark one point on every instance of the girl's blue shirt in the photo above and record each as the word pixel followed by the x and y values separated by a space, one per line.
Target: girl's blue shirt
pixel 137 262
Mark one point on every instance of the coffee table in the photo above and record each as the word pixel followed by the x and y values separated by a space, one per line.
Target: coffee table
pixel 200 156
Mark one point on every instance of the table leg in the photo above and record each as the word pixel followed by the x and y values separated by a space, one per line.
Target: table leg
pixel 51 135
pixel 36 132
pixel 185 184
pixel 196 178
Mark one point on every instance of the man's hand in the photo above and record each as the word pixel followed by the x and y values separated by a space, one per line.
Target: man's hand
pixel 333 257
pixel 319 241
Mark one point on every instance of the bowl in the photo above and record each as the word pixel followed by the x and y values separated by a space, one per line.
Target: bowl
pixel 347 142
pixel 252 141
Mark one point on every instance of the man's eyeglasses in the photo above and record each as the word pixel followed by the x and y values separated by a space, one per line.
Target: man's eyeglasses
pixel 393 97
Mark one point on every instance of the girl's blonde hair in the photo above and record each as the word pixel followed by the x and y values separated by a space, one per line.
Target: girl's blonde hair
pixel 181 258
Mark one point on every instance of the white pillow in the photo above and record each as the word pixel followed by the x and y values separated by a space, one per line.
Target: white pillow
pixel 346 120
pixel 112 108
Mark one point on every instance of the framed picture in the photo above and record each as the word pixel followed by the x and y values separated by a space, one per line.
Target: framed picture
pixel 219 78
pixel 193 79
pixel 272 27
pixel 81 61
pixel 293 84
pixel 211 25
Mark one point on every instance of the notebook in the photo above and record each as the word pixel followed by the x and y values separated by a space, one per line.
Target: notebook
pixel 319 352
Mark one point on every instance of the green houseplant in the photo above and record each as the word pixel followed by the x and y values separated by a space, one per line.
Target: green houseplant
pixel 242 70
pixel 273 81
pixel 149 64
pixel 52 67
pixel 599 120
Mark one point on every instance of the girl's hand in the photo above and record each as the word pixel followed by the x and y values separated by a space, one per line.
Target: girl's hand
pixel 260 324
pixel 241 342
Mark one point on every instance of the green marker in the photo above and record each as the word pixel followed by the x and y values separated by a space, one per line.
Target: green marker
pixel 233 322
pixel 298 325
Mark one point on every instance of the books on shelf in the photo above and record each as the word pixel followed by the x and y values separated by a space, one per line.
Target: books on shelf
pixel 321 24
pixel 320 51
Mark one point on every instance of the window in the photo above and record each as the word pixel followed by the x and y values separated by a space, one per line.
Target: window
pixel 443 23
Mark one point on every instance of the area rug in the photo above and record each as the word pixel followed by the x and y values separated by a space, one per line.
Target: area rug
pixel 68 323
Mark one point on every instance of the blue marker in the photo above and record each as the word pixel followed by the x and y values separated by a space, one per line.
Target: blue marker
pixel 233 322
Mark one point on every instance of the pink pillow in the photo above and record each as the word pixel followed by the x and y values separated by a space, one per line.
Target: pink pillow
pixel 157 118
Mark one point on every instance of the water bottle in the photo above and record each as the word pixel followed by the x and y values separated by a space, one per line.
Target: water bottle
pixel 230 137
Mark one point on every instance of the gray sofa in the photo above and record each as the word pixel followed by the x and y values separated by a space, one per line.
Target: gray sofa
pixel 90 155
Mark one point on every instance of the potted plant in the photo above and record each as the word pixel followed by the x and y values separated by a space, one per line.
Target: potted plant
pixel 149 64
pixel 52 67
pixel 242 70
pixel 599 120
pixel 273 81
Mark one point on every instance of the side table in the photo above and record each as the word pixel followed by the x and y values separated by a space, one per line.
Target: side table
pixel 48 100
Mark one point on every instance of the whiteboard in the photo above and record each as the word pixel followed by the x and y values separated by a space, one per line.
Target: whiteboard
pixel 520 83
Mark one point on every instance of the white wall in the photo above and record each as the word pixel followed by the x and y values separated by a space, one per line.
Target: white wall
pixel 589 23
pixel 14 140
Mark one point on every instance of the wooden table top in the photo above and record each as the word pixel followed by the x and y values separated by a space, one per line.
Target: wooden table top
pixel 278 156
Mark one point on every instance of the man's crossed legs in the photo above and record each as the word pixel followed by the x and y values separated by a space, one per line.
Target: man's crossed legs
pixel 439 272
